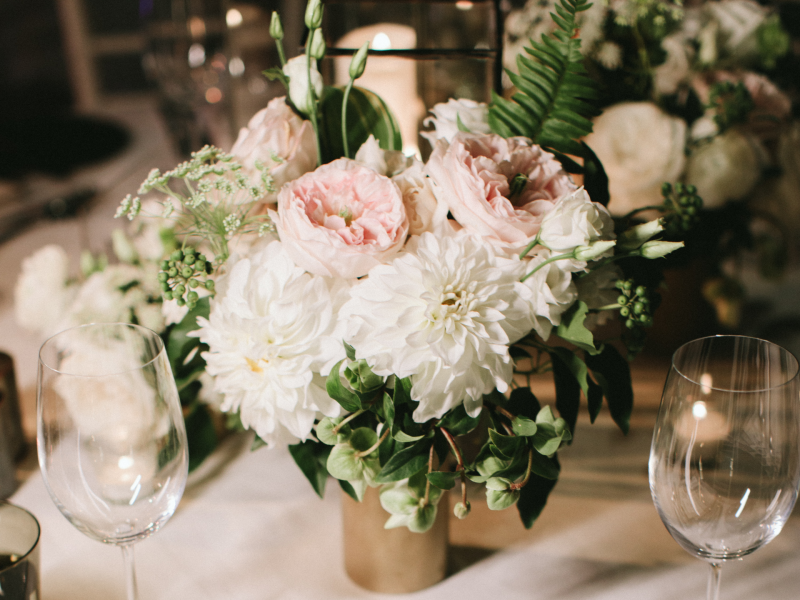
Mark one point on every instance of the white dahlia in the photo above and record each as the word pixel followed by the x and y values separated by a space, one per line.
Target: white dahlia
pixel 442 313
pixel 273 334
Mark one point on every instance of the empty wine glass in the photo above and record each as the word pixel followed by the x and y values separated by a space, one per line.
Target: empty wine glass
pixel 111 437
pixel 725 457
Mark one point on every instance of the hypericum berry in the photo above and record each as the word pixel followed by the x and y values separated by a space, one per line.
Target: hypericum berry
pixel 173 272
pixel 622 300
pixel 187 272
pixel 193 283
pixel 640 290
pixel 210 285
pixel 624 311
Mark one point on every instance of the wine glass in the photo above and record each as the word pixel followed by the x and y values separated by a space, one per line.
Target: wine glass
pixel 111 438
pixel 725 458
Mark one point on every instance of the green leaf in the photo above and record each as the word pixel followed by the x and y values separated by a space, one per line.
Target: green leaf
pixel 401 436
pixel 402 391
pixel 594 397
pixel 344 461
pixel 507 445
pixel 572 328
pixel 350 490
pixel 367 114
pixel 458 422
pixel 325 433
pixel 347 399
pixel 533 498
pixel 276 73
pixel 388 411
pixel 595 180
pixel 444 480
pixel 523 403
pixel 405 463
pixel 200 435
pixel 523 426
pixel 570 375
pixel 501 499
pixel 361 378
pixel 349 351
pixel 613 374
pixel 312 458
pixel 544 466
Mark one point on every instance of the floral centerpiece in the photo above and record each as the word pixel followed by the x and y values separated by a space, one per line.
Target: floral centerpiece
pixel 371 311
pixel 693 94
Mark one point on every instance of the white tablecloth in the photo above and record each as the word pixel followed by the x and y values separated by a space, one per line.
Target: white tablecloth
pixel 251 528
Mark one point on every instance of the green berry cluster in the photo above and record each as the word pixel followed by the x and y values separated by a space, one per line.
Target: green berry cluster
pixel 635 305
pixel 683 207
pixel 182 273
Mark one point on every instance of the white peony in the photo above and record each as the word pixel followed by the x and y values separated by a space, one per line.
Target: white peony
pixel 726 168
pixel 297 70
pixel 42 294
pixel 640 147
pixel 549 293
pixel 575 221
pixel 442 313
pixel 473 115
pixel 273 334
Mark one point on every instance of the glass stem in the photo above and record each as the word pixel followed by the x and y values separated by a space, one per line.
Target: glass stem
pixel 130 572
pixel 713 581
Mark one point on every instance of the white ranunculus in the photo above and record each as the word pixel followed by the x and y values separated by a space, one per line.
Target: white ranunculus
pixel 726 168
pixel 273 335
pixel 575 221
pixel 473 115
pixel 640 147
pixel 549 293
pixel 296 69
pixel 42 294
pixel 443 314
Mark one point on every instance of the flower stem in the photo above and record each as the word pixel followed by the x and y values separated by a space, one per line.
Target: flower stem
pixel 529 247
pixel 374 447
pixel 504 412
pixel 281 53
pixel 454 447
pixel 547 262
pixel 642 209
pixel 312 100
pixel 344 117
pixel 347 419
pixel 426 499
pixel 521 484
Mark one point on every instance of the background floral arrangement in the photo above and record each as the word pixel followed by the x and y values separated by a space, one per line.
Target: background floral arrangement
pixel 381 316
pixel 699 93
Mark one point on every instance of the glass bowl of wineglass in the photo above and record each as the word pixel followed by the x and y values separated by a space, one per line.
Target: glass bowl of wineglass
pixel 725 457
pixel 110 433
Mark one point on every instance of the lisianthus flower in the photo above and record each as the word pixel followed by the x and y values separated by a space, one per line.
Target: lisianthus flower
pixel 280 141
pixel 341 220
pixel 297 70
pixel 549 293
pixel 42 294
pixel 442 313
pixel 446 115
pixel 498 188
pixel 575 221
pixel 273 334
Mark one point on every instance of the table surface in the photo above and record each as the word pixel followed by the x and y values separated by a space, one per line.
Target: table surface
pixel 249 525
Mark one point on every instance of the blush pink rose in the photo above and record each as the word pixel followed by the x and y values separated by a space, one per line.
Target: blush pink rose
pixel 341 220
pixel 281 141
pixel 473 176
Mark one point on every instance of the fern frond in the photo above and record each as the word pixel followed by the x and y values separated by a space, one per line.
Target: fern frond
pixel 553 104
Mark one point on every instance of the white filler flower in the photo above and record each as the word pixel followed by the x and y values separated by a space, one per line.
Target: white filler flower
pixel 272 336
pixel 443 314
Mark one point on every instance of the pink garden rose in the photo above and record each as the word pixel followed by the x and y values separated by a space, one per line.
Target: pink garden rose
pixel 283 142
pixel 341 220
pixel 473 176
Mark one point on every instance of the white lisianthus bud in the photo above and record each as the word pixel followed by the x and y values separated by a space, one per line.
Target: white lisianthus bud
pixel 658 249
pixel 317 42
pixel 636 236
pixel 276 27
pixel 461 510
pixel 297 71
pixel 313 17
pixel 593 250
pixel 359 62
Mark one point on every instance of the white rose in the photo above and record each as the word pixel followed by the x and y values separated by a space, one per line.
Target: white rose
pixel 296 69
pixel 281 141
pixel 727 168
pixel 473 115
pixel 640 147
pixel 575 221
pixel 41 296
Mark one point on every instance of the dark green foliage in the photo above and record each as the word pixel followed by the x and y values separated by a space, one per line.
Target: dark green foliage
pixel 312 457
